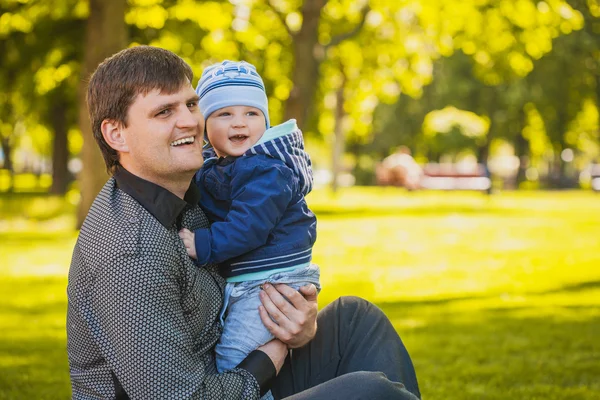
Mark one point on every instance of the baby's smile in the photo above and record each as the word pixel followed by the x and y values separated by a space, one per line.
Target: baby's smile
pixel 238 138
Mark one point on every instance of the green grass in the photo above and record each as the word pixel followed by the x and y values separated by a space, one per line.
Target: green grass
pixel 495 297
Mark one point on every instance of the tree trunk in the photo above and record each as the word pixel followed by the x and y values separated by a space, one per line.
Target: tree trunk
pixel 521 149
pixel 560 145
pixel 483 151
pixel 598 85
pixel 105 35
pixel 339 139
pixel 307 59
pixel 8 164
pixel 60 148
pixel 489 108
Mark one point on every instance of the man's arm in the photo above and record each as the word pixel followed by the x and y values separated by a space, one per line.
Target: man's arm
pixel 140 326
pixel 261 190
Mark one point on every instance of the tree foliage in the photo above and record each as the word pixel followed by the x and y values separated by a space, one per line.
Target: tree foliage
pixel 365 73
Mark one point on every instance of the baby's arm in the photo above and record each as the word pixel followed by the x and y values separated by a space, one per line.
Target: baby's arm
pixel 187 237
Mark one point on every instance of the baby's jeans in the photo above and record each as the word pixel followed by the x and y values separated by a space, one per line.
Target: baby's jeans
pixel 243 330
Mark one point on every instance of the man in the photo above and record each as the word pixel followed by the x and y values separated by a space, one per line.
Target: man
pixel 143 319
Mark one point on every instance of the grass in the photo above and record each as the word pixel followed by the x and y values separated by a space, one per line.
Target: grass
pixel 495 297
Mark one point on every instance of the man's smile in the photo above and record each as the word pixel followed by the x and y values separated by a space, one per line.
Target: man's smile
pixel 183 141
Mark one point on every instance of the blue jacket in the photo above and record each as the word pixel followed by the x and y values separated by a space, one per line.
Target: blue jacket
pixel 260 220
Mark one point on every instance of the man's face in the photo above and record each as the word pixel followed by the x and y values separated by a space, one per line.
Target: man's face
pixel 164 136
pixel 233 130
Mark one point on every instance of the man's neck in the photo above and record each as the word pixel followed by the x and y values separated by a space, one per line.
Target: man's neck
pixel 178 188
pixel 178 184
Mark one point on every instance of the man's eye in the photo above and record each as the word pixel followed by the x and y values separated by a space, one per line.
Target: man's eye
pixel 192 104
pixel 163 113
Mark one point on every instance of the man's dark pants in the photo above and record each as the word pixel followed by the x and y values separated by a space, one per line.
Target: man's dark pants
pixel 356 354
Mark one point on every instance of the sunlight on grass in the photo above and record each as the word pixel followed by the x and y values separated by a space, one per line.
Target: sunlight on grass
pixel 502 244
pixel 495 296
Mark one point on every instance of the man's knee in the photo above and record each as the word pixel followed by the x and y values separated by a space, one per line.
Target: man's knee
pixel 373 385
pixel 352 304
pixel 352 307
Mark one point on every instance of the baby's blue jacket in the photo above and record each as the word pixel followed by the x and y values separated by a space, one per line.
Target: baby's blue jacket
pixel 260 219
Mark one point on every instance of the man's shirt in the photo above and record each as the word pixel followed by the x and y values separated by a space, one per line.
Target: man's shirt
pixel 142 318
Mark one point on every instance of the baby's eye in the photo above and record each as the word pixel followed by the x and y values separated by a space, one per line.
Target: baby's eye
pixel 252 113
pixel 223 114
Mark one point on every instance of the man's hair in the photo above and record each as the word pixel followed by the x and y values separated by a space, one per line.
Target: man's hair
pixel 119 79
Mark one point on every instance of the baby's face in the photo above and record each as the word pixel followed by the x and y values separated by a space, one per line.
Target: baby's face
pixel 233 130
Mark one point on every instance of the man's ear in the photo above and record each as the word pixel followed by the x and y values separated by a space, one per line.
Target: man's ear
pixel 112 131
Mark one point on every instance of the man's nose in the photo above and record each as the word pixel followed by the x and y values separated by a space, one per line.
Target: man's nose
pixel 188 119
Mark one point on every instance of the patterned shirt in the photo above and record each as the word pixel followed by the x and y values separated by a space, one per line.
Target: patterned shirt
pixel 142 318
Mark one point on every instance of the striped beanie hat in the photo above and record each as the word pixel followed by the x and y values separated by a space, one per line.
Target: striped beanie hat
pixel 231 83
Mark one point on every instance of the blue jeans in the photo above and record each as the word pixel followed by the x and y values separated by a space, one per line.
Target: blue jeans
pixel 243 330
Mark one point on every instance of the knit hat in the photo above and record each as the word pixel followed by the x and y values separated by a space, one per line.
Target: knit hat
pixel 232 83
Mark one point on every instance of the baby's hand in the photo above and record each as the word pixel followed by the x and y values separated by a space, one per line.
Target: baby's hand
pixel 188 240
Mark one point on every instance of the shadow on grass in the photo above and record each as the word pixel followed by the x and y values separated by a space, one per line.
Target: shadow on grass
pixel 502 354
pixel 577 287
pixel 570 288
pixel 33 310
pixel 491 354
pixel 34 368
pixel 33 357
pixel 458 354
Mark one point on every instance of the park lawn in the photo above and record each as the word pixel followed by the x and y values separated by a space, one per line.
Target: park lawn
pixel 495 297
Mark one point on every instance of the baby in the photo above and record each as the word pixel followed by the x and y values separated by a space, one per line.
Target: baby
pixel 252 185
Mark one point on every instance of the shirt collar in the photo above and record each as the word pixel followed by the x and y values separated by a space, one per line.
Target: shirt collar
pixel 158 201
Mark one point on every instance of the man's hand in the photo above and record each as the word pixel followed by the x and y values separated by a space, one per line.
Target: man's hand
pixel 295 318
pixel 277 352
pixel 187 237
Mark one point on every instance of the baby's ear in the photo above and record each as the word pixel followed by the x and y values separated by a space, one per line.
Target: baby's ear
pixel 112 131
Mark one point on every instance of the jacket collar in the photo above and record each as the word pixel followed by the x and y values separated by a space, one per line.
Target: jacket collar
pixel 158 201
pixel 285 142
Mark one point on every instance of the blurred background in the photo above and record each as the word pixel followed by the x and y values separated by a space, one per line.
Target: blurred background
pixel 456 153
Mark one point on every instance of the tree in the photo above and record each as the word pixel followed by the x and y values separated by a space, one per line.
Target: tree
pixel 56 88
pixel 564 84
pixel 307 55
pixel 105 35
pixel 502 44
pixel 12 38
pixel 334 65
pixel 42 56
